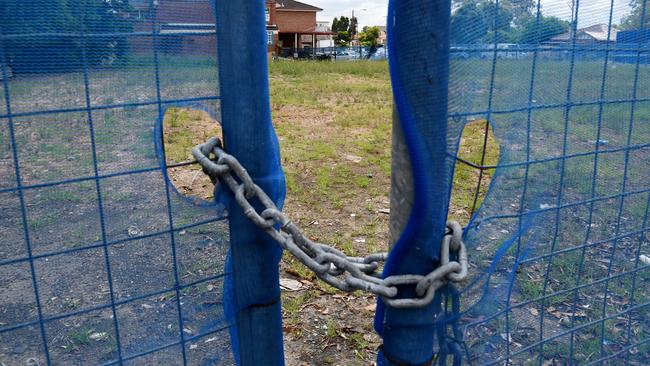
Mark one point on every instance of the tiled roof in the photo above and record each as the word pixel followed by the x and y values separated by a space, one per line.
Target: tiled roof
pixel 600 32
pixel 295 5
pixel 597 32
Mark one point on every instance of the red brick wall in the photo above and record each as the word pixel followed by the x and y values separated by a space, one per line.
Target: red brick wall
pixel 295 21
pixel 171 11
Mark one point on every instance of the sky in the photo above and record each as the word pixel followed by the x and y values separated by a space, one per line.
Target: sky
pixel 373 12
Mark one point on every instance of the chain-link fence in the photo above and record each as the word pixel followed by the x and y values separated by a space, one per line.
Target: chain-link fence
pixel 358 53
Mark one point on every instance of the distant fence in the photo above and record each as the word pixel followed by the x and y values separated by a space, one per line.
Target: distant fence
pixel 336 53
pixel 615 52
pixel 618 52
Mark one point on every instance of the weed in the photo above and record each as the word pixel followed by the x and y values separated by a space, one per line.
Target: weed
pixel 84 336
pixel 359 342
pixel 42 220
pixel 362 182
pixel 333 329
pixel 292 305
pixel 183 129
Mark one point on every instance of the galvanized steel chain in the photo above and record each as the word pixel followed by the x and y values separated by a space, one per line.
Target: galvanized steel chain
pixel 328 263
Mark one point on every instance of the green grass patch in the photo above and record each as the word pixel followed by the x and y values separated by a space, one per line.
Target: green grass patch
pixel 183 129
pixel 466 177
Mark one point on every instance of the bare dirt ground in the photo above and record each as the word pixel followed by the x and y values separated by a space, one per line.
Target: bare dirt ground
pixel 339 194
pixel 333 122
pixel 322 325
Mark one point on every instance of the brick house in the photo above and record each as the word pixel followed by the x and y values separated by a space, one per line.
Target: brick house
pixel 188 26
pixel 292 25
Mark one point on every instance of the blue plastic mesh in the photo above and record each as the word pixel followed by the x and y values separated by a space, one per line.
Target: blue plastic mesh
pixel 101 260
pixel 556 248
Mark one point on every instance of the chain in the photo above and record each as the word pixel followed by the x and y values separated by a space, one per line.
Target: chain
pixel 330 264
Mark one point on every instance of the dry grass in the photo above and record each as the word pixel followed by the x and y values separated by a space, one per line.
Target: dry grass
pixel 334 125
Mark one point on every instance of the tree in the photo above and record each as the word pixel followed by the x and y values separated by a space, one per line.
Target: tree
pixel 467 25
pixel 496 19
pixel 369 37
pixel 352 29
pixel 481 21
pixel 60 22
pixel 521 10
pixel 342 39
pixel 341 25
pixel 535 32
pixel 633 21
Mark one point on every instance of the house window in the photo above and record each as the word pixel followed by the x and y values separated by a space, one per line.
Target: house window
pixel 268 14
pixel 269 38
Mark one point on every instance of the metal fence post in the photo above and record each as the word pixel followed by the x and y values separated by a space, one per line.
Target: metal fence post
pixel 401 184
pixel 408 335
pixel 248 134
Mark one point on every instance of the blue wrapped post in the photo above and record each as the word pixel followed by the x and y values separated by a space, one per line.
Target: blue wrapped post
pixel 418 45
pixel 253 293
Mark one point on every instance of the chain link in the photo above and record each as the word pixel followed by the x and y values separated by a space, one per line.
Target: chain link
pixel 330 264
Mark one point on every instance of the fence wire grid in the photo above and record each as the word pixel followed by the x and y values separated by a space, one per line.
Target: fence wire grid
pixel 101 261
pixel 560 239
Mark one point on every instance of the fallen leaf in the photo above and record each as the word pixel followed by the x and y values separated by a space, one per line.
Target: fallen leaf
pixel 371 307
pixel 99 336
pixel 133 231
pixel 289 284
pixel 353 158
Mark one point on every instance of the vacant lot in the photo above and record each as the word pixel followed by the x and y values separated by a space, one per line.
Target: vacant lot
pixel 94 202
pixel 334 125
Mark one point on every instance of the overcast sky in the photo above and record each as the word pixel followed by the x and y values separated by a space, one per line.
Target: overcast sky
pixel 373 12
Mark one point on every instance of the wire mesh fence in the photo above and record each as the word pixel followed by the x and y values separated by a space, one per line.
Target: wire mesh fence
pixel 560 243
pixel 101 261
